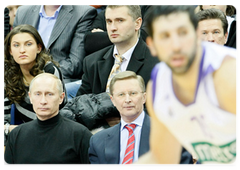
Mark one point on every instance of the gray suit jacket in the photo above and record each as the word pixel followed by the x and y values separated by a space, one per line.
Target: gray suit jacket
pixel 105 145
pixel 66 43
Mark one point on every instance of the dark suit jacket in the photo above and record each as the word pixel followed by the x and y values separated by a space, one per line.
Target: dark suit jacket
pixel 105 145
pixel 66 42
pixel 97 67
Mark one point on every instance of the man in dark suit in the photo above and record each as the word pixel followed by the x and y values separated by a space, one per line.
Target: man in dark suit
pixel 65 42
pixel 98 38
pixel 109 146
pixel 123 25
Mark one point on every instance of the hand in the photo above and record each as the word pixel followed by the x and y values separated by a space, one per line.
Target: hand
pixel 97 30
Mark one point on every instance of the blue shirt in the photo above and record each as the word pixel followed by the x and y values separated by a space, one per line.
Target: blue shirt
pixel 124 137
pixel 46 24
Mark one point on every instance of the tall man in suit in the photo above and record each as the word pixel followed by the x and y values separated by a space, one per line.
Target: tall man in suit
pixel 62 28
pixel 127 92
pixel 123 25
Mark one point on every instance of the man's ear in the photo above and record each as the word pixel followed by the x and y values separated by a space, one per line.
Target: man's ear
pixel 112 99
pixel 61 98
pixel 29 94
pixel 138 23
pixel 226 37
pixel 151 46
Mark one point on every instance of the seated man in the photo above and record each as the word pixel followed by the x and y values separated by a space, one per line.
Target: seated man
pixel 50 138
pixel 213 26
pixel 128 140
pixel 123 26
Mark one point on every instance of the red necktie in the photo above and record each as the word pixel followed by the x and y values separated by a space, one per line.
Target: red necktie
pixel 128 156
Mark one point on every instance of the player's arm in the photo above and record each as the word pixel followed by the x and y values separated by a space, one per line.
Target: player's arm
pixel 225 84
pixel 164 147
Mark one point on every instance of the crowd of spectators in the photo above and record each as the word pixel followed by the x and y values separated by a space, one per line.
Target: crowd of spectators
pixel 81 45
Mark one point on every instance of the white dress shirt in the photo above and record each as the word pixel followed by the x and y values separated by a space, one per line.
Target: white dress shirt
pixel 127 56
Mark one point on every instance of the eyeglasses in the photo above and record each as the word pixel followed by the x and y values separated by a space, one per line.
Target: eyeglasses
pixel 130 93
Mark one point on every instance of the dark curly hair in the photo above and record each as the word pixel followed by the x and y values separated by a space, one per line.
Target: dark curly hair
pixel 14 87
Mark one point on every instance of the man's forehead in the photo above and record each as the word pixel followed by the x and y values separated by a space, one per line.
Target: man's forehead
pixel 172 21
pixel 44 82
pixel 117 12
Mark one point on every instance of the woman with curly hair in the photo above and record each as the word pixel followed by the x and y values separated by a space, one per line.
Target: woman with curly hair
pixel 24 57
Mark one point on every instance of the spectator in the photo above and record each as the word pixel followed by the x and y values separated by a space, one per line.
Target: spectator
pixel 24 58
pixel 212 25
pixel 123 24
pixel 230 13
pixel 12 13
pixel 99 32
pixel 195 107
pixel 50 138
pixel 63 35
pixel 7 26
pixel 128 95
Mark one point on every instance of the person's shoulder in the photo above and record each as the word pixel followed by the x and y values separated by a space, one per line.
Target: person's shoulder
pixel 82 9
pixel 25 8
pixel 221 51
pixel 98 55
pixel 24 127
pixel 106 132
pixel 75 127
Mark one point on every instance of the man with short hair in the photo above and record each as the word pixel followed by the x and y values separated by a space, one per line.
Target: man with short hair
pixel 123 24
pixel 195 107
pixel 125 142
pixel 213 26
pixel 50 138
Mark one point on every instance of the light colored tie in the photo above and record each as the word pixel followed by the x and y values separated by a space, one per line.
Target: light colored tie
pixel 129 153
pixel 115 69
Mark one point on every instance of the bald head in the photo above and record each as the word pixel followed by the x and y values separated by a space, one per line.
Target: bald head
pixel 40 79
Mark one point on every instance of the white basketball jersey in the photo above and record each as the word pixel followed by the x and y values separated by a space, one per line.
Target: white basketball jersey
pixel 202 127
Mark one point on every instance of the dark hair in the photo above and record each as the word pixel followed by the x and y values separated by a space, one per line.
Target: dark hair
pixel 213 13
pixel 156 11
pixel 231 10
pixel 15 89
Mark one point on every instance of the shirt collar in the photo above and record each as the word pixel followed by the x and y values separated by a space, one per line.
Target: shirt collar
pixel 127 55
pixel 43 14
pixel 138 121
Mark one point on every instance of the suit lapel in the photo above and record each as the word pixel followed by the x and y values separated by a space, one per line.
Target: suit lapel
pixel 104 68
pixel 112 145
pixel 62 21
pixel 137 58
pixel 144 139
